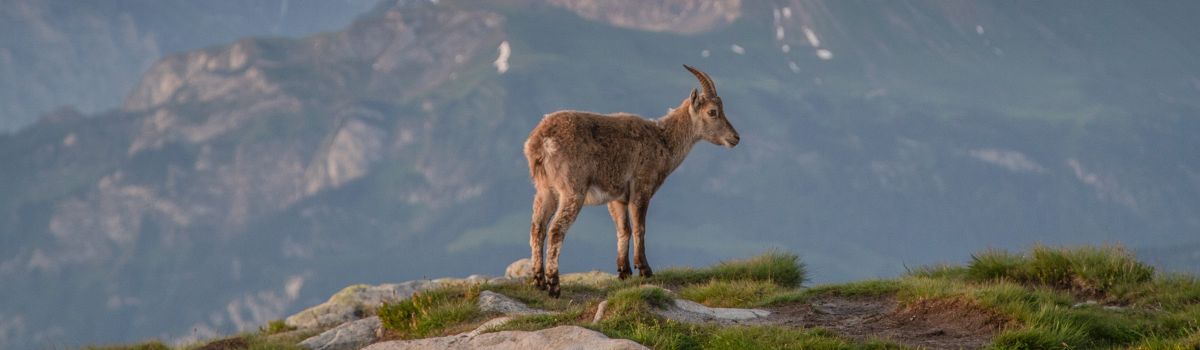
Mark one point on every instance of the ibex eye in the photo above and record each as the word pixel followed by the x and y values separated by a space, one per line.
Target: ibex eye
pixel 712 112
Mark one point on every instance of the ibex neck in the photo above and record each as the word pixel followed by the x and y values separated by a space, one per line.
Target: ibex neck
pixel 679 133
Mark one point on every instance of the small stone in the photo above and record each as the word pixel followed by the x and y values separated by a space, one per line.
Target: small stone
pixel 600 312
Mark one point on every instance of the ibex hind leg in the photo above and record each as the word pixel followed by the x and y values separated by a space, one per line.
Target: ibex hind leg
pixel 544 204
pixel 568 210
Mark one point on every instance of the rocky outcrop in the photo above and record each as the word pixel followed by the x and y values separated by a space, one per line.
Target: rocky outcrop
pixel 355 301
pixel 347 336
pixel 355 146
pixel 562 337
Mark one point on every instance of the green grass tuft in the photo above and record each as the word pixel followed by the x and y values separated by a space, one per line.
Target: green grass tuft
pixel 637 300
pixel 940 271
pixel 1095 270
pixel 741 293
pixel 859 289
pixel 275 327
pixel 783 269
pixel 432 312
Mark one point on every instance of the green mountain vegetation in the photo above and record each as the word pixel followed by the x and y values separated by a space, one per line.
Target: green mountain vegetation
pixel 1045 298
pixel 240 182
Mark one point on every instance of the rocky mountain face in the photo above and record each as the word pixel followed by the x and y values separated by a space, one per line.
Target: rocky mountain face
pixel 239 182
pixel 88 55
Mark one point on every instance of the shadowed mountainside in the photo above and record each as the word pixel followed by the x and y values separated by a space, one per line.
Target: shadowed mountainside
pixel 87 55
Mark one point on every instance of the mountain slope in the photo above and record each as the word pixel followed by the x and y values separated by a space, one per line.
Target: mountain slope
pixel 88 55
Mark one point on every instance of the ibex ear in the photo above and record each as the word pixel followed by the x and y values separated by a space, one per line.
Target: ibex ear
pixel 695 98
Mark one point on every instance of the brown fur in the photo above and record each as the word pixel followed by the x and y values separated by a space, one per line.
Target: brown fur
pixel 582 158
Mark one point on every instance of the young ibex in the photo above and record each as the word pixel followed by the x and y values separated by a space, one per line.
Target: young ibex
pixel 581 158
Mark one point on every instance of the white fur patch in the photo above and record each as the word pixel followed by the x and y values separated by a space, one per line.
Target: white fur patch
pixel 597 196
pixel 550 146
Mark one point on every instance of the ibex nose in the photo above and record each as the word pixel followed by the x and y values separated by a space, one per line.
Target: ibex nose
pixel 733 141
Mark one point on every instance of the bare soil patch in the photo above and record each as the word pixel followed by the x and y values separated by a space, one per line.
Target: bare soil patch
pixel 929 324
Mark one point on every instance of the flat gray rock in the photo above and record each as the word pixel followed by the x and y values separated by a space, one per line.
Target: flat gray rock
pixel 347 336
pixel 688 311
pixel 495 302
pixel 562 337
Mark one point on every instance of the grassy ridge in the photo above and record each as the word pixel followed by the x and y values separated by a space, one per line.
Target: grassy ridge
pixel 1052 298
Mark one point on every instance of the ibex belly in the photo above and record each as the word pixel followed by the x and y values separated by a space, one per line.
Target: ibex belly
pixel 597 196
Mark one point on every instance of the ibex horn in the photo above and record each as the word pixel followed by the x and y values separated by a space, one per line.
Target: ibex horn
pixel 705 81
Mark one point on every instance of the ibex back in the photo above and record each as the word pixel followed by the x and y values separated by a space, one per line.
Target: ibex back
pixel 582 158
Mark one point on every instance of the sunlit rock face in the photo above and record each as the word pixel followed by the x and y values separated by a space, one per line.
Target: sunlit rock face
pixel 672 16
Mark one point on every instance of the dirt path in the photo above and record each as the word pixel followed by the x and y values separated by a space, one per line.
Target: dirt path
pixel 937 324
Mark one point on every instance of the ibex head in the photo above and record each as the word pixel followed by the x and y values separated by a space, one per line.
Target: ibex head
pixel 708 114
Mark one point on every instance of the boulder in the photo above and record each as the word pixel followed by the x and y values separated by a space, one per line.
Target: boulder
pixel 562 337
pixel 519 269
pixel 495 302
pixel 347 336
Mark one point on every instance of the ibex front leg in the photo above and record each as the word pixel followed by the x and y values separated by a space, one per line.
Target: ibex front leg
pixel 544 204
pixel 568 209
pixel 637 208
pixel 620 215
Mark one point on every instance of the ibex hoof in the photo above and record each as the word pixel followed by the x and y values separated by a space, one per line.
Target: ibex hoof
pixel 623 272
pixel 539 281
pixel 646 272
pixel 552 287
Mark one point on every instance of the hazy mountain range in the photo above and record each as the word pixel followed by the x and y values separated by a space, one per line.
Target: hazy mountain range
pixel 237 183
pixel 88 54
